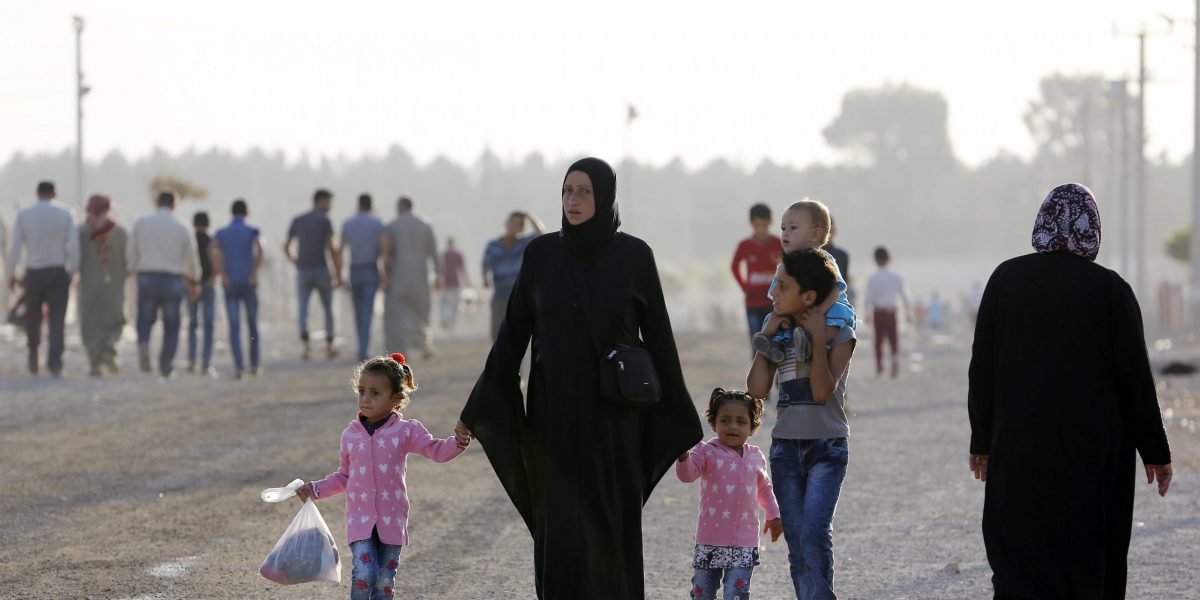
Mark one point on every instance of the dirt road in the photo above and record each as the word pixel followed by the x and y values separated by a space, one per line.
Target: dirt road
pixel 131 488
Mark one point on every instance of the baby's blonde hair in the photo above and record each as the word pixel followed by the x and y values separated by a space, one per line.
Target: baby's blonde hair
pixel 818 213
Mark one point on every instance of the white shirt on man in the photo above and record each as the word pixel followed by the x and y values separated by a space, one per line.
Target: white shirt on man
pixel 160 243
pixel 885 289
pixel 46 229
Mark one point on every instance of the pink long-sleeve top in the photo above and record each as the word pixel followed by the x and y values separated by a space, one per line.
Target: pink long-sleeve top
pixel 732 487
pixel 372 475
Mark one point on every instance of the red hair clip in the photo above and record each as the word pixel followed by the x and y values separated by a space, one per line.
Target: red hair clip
pixel 396 356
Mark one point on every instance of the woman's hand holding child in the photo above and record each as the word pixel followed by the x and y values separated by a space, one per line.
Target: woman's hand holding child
pixel 462 435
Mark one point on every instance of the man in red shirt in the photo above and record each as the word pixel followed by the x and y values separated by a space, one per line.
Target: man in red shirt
pixel 760 255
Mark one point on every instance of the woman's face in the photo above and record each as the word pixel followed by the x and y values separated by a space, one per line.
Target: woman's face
pixel 579 201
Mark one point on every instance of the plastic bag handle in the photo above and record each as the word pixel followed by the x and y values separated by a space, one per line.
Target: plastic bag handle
pixel 280 494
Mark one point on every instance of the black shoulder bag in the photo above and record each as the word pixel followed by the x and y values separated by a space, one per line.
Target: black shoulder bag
pixel 627 374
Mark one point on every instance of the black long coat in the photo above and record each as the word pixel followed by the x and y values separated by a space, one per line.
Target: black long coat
pixel 578 468
pixel 1061 395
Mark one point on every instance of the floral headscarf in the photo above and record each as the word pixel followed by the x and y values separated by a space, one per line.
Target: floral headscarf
pixel 1068 221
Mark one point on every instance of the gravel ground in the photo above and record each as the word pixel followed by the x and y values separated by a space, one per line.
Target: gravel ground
pixel 128 487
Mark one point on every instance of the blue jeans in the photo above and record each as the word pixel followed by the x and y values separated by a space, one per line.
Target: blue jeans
pixel 307 280
pixel 165 292
pixel 735 581
pixel 756 317
pixel 807 476
pixel 364 283
pixel 204 305
pixel 246 293
pixel 374 574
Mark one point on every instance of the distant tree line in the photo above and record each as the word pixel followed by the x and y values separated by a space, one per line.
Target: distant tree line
pixel 897 182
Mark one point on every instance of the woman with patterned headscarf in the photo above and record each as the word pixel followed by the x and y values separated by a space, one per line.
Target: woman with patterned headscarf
pixel 576 460
pixel 1061 396
pixel 101 284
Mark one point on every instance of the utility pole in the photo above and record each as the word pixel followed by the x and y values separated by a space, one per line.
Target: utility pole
pixel 1118 171
pixel 1140 172
pixel 1194 254
pixel 81 90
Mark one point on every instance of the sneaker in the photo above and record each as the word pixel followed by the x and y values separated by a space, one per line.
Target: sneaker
pixel 256 371
pixel 331 351
pixel 240 375
pixel 191 368
pixel 307 353
pixel 33 362
pixel 763 345
pixel 212 373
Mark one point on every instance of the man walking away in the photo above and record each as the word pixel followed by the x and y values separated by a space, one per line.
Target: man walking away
pixel 46 230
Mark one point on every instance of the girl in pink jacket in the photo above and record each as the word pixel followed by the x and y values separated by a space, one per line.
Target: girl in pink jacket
pixel 374 449
pixel 734 484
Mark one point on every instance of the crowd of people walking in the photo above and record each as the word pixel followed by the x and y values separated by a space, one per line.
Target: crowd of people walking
pixel 180 272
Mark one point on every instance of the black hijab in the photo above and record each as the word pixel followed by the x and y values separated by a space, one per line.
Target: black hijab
pixel 585 240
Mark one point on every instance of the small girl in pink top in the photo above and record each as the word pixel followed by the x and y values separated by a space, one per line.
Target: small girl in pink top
pixel 734 483
pixel 374 448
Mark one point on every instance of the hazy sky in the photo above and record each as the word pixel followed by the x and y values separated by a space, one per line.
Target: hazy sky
pixel 745 80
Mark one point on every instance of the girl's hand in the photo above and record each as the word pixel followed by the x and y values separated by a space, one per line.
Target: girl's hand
pixel 462 435
pixel 775 526
pixel 304 492
pixel 813 321
pixel 683 457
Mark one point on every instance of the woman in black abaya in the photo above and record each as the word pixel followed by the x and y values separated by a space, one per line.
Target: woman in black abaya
pixel 1061 395
pixel 577 466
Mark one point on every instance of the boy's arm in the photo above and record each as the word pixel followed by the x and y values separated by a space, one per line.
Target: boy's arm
pixel 690 466
pixel 827 367
pixel 758 380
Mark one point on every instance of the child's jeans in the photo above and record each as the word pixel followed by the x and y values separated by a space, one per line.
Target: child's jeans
pixel 375 565
pixel 735 581
pixel 807 477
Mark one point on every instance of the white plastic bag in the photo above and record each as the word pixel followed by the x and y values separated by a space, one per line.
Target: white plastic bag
pixel 283 493
pixel 306 551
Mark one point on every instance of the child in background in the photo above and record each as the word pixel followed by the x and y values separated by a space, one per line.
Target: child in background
pixel 809 450
pixel 374 448
pixel 885 292
pixel 759 254
pixel 807 224
pixel 734 483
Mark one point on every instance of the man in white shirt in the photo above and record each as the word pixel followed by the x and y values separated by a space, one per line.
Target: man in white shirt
pixel 46 231
pixel 162 253
pixel 885 290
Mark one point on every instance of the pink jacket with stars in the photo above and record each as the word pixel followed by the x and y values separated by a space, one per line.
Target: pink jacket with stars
pixel 732 487
pixel 372 476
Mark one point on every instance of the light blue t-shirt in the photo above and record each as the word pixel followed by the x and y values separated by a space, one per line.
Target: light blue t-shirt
pixel 361 233
pixel 504 263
